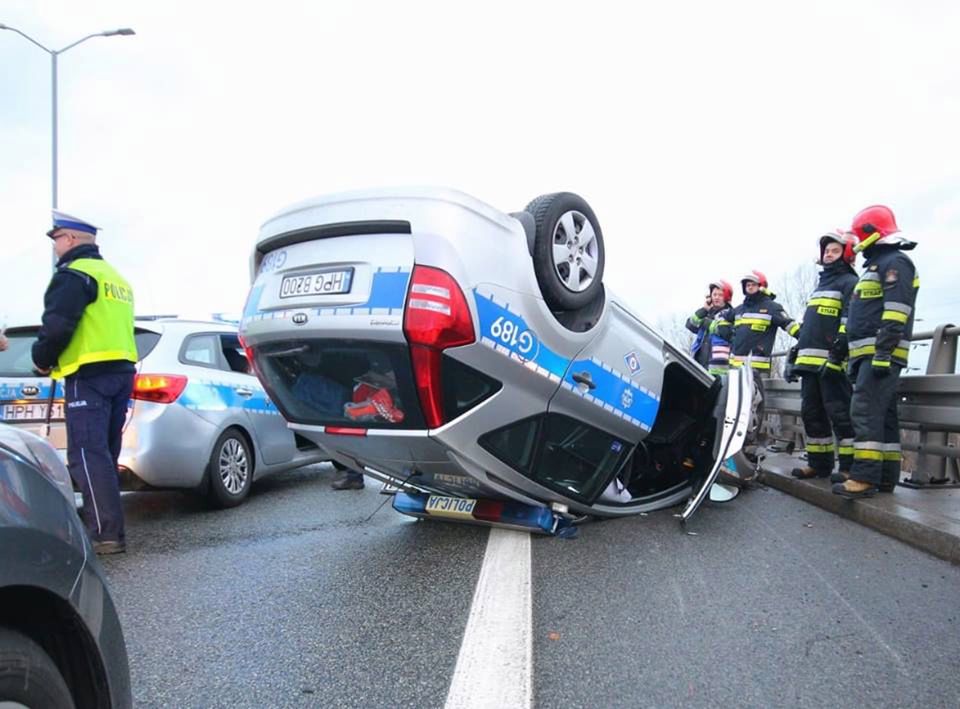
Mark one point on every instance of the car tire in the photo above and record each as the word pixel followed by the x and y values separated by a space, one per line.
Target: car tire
pixel 563 263
pixel 27 674
pixel 230 469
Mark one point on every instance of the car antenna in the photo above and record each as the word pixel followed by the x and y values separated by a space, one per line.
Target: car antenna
pixel 387 497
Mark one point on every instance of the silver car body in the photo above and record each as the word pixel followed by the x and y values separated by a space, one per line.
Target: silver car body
pixel 379 237
pixel 169 445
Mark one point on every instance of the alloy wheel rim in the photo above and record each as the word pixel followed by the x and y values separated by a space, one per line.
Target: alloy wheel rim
pixel 574 251
pixel 234 466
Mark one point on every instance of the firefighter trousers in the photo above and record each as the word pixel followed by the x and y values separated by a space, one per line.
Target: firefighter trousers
pixel 825 410
pixel 876 425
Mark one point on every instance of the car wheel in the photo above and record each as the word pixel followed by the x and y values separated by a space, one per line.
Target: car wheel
pixel 230 469
pixel 568 253
pixel 28 676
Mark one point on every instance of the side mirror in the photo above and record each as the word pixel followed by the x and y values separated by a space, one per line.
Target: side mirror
pixel 723 493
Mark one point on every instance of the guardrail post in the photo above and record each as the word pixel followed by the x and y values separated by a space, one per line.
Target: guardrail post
pixel 943 360
pixel 943 352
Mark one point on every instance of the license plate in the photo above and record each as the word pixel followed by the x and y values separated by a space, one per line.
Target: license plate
pixel 32 411
pixel 321 283
pixel 456 507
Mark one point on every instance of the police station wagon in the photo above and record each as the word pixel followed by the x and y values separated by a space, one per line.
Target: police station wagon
pixel 198 417
pixel 475 360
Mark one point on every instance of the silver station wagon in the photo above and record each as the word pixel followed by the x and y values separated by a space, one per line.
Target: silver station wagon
pixel 475 361
pixel 198 418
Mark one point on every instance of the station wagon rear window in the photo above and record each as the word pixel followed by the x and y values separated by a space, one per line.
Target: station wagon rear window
pixel 17 359
pixel 341 383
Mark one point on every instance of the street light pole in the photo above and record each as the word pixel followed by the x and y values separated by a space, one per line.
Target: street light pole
pixel 54 53
pixel 53 120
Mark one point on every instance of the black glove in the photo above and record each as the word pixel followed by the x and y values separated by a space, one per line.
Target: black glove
pixel 881 365
pixel 789 368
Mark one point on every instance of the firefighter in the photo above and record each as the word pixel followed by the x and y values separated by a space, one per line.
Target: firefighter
pixel 820 354
pixel 751 327
pixel 710 350
pixel 879 325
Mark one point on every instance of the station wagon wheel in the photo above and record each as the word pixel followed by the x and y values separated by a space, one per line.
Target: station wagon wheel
pixel 230 469
pixel 568 251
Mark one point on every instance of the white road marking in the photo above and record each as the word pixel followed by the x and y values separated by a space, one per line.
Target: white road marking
pixel 495 665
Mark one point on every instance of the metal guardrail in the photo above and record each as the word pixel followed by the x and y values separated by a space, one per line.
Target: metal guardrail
pixel 929 406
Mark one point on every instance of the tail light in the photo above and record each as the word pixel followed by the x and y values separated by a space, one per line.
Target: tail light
pixel 159 388
pixel 436 317
pixel 251 360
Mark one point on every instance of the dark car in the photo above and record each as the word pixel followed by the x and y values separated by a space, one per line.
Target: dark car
pixel 61 644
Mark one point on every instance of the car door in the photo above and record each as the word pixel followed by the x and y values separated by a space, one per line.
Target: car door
pixel 273 438
pixel 614 382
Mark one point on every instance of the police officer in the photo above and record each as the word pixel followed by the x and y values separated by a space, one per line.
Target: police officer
pixel 86 339
pixel 710 350
pixel 879 326
pixel 751 327
pixel 820 354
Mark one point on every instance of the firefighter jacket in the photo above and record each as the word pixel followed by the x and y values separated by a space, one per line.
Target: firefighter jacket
pixel 822 339
pixel 752 328
pixel 880 317
pixel 709 349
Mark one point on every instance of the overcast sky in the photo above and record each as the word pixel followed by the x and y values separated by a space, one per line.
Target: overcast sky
pixel 710 138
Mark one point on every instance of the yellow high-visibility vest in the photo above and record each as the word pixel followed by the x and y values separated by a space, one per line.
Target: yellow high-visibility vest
pixel 105 330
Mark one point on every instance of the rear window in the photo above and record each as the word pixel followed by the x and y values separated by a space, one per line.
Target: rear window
pixel 341 383
pixel 17 359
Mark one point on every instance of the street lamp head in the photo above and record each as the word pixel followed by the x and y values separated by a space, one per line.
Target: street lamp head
pixel 125 32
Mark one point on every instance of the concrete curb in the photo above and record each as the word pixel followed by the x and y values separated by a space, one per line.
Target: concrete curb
pixel 907 520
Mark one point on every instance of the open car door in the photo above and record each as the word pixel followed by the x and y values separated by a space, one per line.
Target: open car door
pixel 733 420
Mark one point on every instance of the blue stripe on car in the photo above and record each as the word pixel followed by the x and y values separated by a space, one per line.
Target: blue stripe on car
pixel 207 396
pixel 611 390
pixel 518 340
pixel 15 391
pixel 614 391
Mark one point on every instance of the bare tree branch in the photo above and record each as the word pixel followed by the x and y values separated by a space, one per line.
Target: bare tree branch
pixel 793 293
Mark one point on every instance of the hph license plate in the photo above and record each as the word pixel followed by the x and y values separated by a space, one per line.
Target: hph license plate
pixel 319 283
pixel 32 411
pixel 456 507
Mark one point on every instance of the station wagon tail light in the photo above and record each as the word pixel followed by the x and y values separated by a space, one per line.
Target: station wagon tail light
pixel 159 388
pixel 436 317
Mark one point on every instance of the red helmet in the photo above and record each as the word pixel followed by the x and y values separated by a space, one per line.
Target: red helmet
pixel 723 286
pixel 847 240
pixel 755 277
pixel 872 220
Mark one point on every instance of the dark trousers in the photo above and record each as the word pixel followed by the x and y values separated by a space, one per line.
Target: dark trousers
pixel 825 410
pixel 96 408
pixel 873 409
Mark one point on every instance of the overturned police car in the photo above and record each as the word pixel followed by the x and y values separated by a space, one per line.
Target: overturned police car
pixel 474 360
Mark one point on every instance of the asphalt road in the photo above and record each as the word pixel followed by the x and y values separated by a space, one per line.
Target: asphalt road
pixel 309 597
